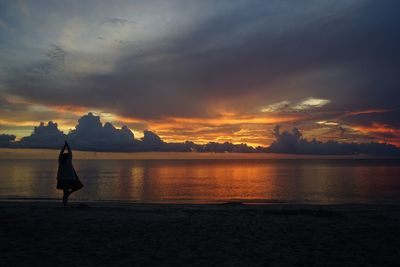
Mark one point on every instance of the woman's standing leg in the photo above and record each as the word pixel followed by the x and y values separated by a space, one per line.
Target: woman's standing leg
pixel 65 197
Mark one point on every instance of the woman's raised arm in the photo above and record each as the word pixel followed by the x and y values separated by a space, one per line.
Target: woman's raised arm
pixel 69 149
pixel 63 148
pixel 61 151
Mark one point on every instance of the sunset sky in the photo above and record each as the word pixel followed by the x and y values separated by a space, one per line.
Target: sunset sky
pixel 204 70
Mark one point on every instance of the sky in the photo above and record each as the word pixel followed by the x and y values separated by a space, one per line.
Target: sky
pixel 204 70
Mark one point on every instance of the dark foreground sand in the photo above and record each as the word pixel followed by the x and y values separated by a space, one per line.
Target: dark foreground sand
pixel 116 234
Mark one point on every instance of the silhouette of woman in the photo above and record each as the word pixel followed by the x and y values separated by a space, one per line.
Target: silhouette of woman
pixel 67 179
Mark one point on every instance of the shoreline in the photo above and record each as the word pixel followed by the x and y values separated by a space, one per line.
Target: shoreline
pixel 233 206
pixel 111 203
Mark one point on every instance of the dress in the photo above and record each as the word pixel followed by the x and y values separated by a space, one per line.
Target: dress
pixel 66 176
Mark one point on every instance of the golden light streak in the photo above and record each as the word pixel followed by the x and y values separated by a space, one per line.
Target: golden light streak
pixel 377 128
pixel 228 126
pixel 75 110
pixel 368 111
pixel 18 123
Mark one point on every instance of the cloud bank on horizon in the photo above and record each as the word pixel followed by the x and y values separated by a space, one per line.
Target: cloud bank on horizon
pixel 92 135
pixel 207 71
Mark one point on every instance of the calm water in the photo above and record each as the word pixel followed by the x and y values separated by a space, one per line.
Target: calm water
pixel 321 181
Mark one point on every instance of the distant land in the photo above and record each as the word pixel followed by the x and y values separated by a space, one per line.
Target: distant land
pixel 92 135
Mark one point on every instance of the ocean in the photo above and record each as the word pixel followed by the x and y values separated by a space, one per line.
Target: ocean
pixel 210 180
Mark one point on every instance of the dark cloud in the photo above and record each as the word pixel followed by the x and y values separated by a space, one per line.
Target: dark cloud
pixel 6 140
pixel 151 141
pixel 225 147
pixel 342 130
pixel 237 56
pixel 230 58
pixel 117 22
pixel 389 118
pixel 44 136
pixel 91 134
pixel 56 53
pixel 293 143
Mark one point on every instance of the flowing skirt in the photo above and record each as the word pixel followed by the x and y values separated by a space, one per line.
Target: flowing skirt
pixel 70 184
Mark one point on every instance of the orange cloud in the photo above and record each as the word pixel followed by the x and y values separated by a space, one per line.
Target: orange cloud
pixel 227 126
pixel 377 128
pixel 253 129
pixel 382 132
pixel 368 111
pixel 236 129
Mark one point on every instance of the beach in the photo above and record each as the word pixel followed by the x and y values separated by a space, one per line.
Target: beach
pixel 42 233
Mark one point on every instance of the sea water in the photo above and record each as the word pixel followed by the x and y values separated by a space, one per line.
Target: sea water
pixel 210 181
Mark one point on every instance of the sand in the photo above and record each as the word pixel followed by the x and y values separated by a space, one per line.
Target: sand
pixel 126 234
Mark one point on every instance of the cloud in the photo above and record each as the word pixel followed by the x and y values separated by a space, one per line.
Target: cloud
pixel 277 107
pixel 382 125
pixel 231 56
pixel 91 134
pixel 370 117
pixel 311 103
pixel 308 104
pixel 56 53
pixel 117 22
pixel 44 136
pixel 6 140
pixel 294 143
pixel 328 123
pixel 151 141
pixel 225 147
pixel 199 59
pixel 342 130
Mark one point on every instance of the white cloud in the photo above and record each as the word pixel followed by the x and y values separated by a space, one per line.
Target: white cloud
pixel 280 106
pixel 327 123
pixel 285 106
pixel 311 103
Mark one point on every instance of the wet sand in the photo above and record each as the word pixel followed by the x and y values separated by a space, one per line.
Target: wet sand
pixel 126 234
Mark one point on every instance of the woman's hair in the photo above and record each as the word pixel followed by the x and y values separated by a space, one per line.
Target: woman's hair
pixel 64 157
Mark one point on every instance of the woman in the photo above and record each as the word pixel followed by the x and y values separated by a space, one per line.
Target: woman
pixel 67 179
